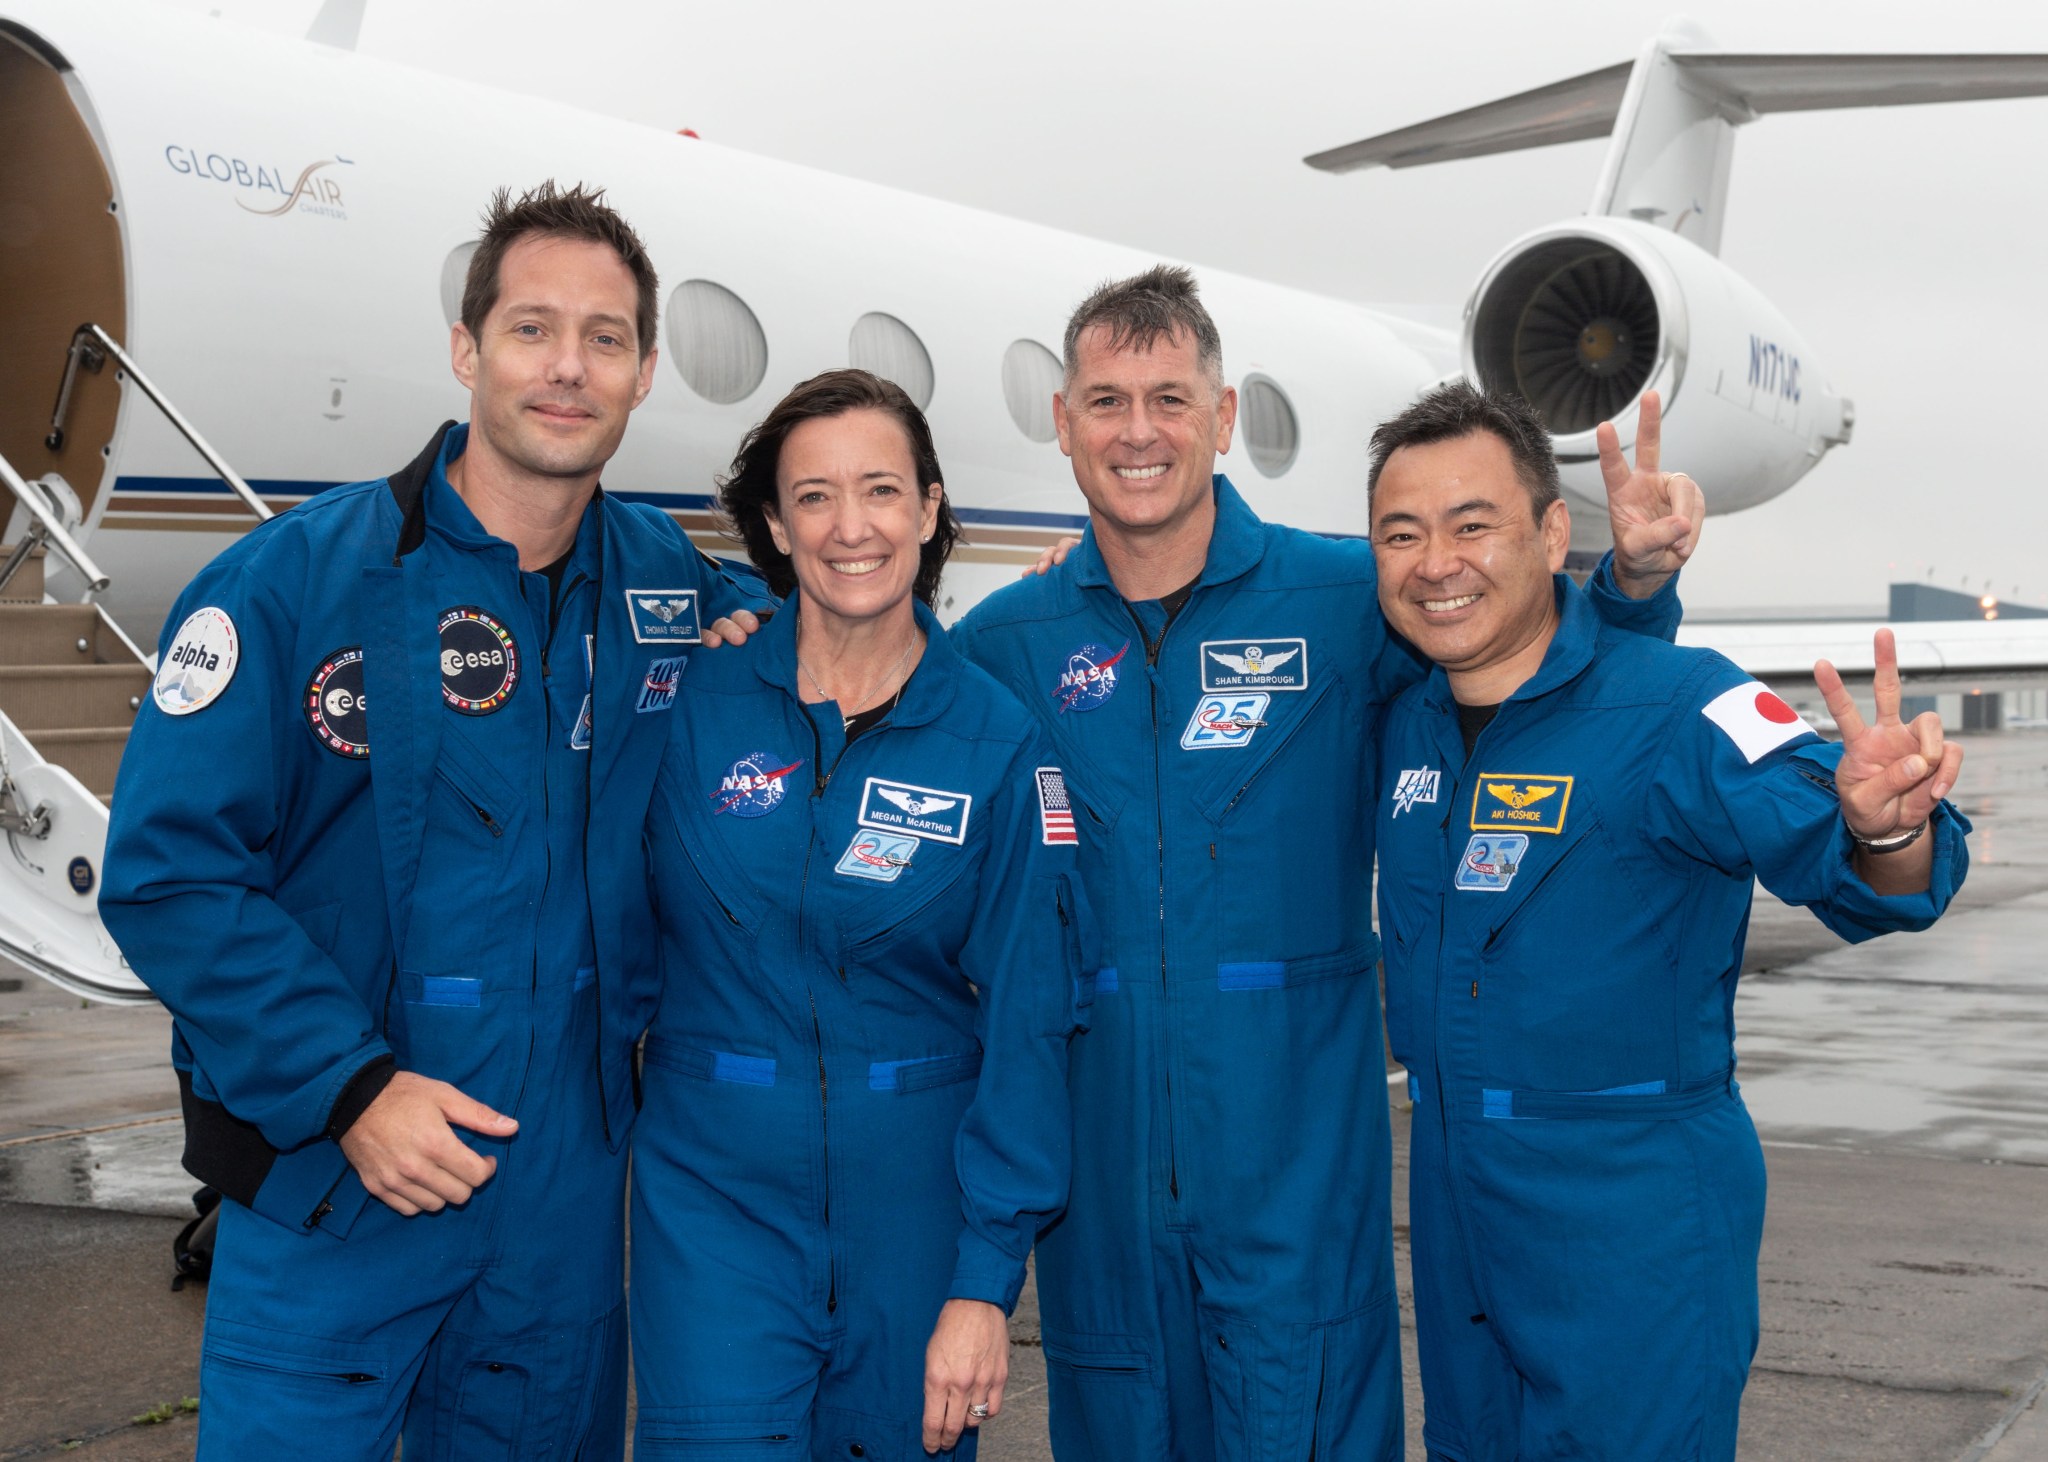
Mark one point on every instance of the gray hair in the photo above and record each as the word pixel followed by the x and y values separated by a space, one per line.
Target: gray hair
pixel 1138 312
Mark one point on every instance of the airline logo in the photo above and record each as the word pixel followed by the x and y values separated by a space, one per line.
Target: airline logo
pixel 1258 664
pixel 260 188
pixel 664 616
pixel 1755 720
pixel 1522 803
pixel 877 857
pixel 923 812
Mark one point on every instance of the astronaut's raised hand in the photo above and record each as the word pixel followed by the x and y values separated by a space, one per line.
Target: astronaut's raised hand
pixel 1051 558
pixel 1892 775
pixel 405 1150
pixel 1655 516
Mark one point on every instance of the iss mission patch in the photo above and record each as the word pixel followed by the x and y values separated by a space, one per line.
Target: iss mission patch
pixel 335 706
pixel 199 664
pixel 479 661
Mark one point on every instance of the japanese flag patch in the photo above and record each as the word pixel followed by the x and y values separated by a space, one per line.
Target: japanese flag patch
pixel 1055 809
pixel 1756 720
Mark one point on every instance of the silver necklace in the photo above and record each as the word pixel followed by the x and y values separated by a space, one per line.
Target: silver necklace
pixel 850 711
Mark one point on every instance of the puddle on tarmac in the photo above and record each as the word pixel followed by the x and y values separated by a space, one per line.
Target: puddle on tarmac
pixel 128 1169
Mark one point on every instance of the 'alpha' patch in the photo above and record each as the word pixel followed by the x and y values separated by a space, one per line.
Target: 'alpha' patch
pixel 664 616
pixel 658 690
pixel 1255 664
pixel 1520 802
pixel 1088 679
pixel 753 787
pixel 881 857
pixel 335 706
pixel 199 664
pixel 479 661
pixel 1756 720
pixel 1224 720
pixel 1490 861
pixel 923 812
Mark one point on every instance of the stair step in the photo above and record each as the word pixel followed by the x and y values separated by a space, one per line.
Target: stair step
pixel 90 753
pixel 26 587
pixel 51 634
pixel 35 696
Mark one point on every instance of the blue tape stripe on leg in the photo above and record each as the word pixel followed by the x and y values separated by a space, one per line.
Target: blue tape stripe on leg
pixel 746 1070
pixel 450 990
pixel 1105 980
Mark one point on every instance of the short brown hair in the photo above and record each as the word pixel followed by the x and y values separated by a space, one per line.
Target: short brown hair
pixel 1459 409
pixel 1163 302
pixel 573 213
pixel 747 491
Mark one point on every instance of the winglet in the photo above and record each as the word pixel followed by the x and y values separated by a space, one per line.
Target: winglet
pixel 339 24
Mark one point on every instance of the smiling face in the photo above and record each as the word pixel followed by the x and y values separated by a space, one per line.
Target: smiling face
pixel 555 369
pixel 1465 565
pixel 851 514
pixel 1144 428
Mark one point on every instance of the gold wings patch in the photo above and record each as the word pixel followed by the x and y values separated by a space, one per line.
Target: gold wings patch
pixel 1520 797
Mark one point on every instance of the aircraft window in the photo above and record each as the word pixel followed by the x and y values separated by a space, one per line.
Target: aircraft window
pixel 715 341
pixel 1270 432
pixel 1031 374
pixel 888 347
pixel 454 274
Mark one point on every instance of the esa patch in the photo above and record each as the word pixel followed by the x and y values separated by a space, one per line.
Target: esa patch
pixel 753 786
pixel 1518 803
pixel 922 812
pixel 199 664
pixel 1089 677
pixel 479 661
pixel 1254 665
pixel 1416 786
pixel 1490 861
pixel 664 616
pixel 658 689
pixel 1055 809
pixel 580 733
pixel 1755 719
pixel 881 857
pixel 335 707
pixel 1224 720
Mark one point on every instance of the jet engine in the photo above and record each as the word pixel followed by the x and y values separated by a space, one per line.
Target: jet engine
pixel 1583 317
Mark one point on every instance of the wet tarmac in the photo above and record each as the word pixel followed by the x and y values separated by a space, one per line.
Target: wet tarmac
pixel 1901 1088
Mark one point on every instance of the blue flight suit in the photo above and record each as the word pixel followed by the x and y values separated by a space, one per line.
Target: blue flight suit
pixel 1222 1285
pixel 361 822
pixel 1564 913
pixel 839 1135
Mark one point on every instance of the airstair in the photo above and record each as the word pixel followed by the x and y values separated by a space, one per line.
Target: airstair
pixel 71 683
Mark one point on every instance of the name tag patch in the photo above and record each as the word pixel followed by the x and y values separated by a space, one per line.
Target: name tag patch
pixel 879 856
pixel 1254 664
pixel 1523 803
pixel 1416 786
pixel 1491 861
pixel 923 812
pixel 199 664
pixel 753 786
pixel 334 704
pixel 1224 720
pixel 664 616
pixel 479 661
pixel 658 689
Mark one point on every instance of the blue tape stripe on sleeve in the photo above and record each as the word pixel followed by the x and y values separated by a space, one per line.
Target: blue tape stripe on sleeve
pixel 746 1070
pixel 882 1074
pixel 1105 980
pixel 450 990
pixel 586 976
pixel 1414 1088
pixel 1260 975
pixel 1496 1103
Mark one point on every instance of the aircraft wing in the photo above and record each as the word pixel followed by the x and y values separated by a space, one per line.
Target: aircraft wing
pixel 1936 657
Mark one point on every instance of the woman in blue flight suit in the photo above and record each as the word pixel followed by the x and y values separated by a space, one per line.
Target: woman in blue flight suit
pixel 856 1116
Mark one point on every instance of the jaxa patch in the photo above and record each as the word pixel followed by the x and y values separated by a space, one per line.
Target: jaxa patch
pixel 664 616
pixel 1530 804
pixel 1254 665
pixel 1089 677
pixel 336 709
pixel 199 664
pixel 923 812
pixel 881 857
pixel 753 786
pixel 658 690
pixel 1415 787
pixel 1224 720
pixel 1490 862
pixel 479 661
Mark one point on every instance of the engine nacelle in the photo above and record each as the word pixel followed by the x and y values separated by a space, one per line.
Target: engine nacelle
pixel 1582 318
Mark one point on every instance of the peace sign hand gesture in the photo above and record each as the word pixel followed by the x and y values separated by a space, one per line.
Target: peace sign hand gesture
pixel 1655 516
pixel 1892 774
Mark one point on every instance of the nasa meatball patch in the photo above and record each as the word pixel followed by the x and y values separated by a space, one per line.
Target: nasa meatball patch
pixel 479 661
pixel 1756 720
pixel 334 704
pixel 199 664
pixel 753 786
pixel 664 616
pixel 1088 678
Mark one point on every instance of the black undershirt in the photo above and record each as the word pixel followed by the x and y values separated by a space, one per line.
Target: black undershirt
pixel 554 573
pixel 873 716
pixel 1175 602
pixel 1472 720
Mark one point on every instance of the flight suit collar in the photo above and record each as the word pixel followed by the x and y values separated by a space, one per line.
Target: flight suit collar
pixel 927 693
pixel 1236 544
pixel 1569 653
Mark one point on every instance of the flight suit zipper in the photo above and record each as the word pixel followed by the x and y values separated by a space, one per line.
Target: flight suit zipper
pixel 1152 649
pixel 825 1155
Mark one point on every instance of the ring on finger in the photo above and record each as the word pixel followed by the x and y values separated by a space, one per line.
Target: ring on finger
pixel 978 1411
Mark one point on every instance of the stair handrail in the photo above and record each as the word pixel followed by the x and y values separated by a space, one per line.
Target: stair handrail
pixel 49 530
pixel 79 355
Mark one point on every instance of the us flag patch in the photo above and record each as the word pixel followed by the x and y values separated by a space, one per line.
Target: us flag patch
pixel 1055 811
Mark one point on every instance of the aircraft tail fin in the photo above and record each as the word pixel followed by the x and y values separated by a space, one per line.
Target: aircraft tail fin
pixel 1672 113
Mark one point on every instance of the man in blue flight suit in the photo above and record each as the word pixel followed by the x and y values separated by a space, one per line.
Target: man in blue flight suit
pixel 1222 1284
pixel 1571 825
pixel 377 844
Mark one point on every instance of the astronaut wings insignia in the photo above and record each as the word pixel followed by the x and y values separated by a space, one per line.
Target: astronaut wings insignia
pixel 1253 663
pixel 1520 797
pixel 930 813
pixel 915 804
pixel 1523 802
pixel 663 616
pixel 665 610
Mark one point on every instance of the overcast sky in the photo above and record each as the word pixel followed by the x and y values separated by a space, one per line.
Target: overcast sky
pixel 1905 243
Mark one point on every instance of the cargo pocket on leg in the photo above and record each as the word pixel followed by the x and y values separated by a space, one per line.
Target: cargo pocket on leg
pixel 1107 1401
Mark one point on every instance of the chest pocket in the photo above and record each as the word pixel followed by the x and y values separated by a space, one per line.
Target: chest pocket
pixel 473 819
pixel 873 916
